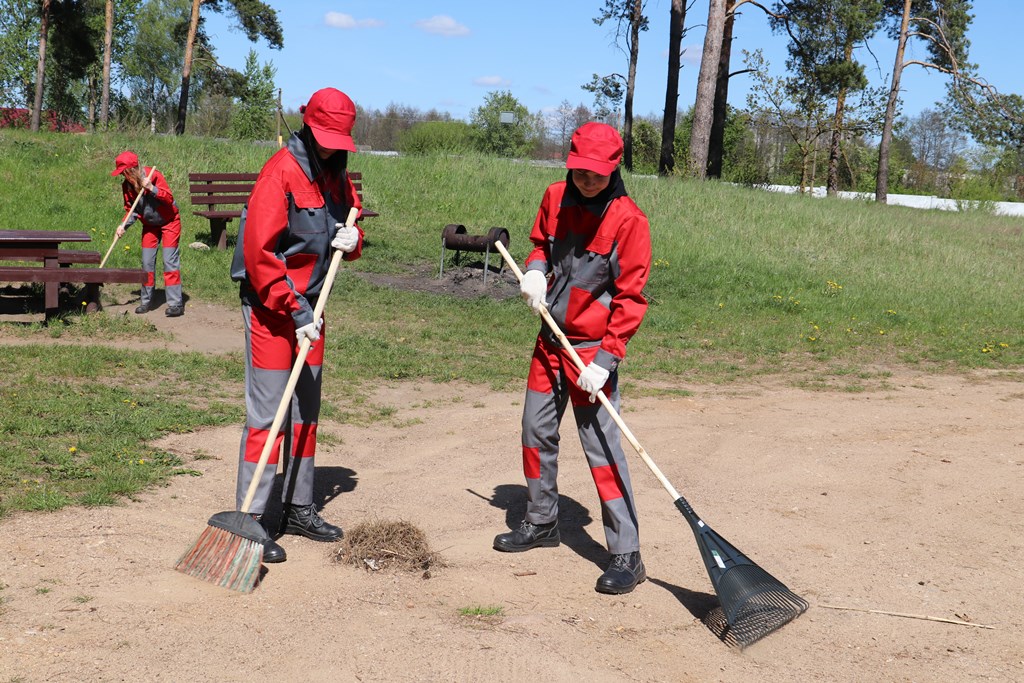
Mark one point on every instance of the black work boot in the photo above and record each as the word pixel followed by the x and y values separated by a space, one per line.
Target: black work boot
pixel 528 536
pixel 272 552
pixel 174 311
pixel 304 520
pixel 142 308
pixel 624 572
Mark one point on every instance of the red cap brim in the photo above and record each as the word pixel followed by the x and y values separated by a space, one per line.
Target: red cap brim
pixel 332 140
pixel 601 167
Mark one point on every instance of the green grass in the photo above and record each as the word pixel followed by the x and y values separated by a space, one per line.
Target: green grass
pixel 482 611
pixel 832 294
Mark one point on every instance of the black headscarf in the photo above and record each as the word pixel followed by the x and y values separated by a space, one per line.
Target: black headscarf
pixel 616 188
pixel 333 165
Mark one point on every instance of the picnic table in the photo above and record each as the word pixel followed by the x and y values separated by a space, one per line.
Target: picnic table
pixel 54 265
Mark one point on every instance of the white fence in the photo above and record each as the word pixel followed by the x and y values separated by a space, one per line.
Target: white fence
pixel 914 200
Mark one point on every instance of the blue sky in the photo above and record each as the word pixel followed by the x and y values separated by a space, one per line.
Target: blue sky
pixel 448 54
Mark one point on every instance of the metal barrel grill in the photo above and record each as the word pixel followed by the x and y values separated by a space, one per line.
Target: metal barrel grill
pixel 456 238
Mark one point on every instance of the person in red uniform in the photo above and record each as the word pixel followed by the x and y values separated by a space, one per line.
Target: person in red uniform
pixel 590 261
pixel 293 221
pixel 161 225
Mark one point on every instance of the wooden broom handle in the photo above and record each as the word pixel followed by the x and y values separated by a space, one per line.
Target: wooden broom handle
pixel 126 216
pixel 600 394
pixel 293 378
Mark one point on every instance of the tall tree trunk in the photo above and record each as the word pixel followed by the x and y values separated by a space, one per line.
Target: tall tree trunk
pixel 634 54
pixel 703 109
pixel 44 28
pixel 186 71
pixel 832 184
pixel 882 179
pixel 677 17
pixel 91 97
pixel 108 40
pixel 716 144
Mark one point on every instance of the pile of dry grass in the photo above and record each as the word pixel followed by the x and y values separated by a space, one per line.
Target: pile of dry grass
pixel 385 545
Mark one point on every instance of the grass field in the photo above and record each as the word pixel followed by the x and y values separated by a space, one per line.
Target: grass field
pixel 744 282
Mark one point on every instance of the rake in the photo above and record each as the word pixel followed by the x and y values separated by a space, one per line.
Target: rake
pixel 754 603
pixel 229 551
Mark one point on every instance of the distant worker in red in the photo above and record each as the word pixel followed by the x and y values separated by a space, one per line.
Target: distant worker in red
pixel 590 261
pixel 161 225
pixel 292 225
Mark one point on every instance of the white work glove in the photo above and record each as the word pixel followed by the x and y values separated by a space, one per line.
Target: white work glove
pixel 312 331
pixel 592 379
pixel 534 288
pixel 346 238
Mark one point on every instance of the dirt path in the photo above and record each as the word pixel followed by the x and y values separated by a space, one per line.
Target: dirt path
pixel 905 500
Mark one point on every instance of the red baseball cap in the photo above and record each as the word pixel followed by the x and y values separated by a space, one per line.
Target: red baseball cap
pixel 595 147
pixel 330 114
pixel 126 159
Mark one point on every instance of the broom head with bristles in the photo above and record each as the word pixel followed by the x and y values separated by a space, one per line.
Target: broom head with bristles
pixel 228 553
pixel 754 603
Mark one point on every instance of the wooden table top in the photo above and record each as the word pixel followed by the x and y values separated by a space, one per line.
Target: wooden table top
pixel 23 237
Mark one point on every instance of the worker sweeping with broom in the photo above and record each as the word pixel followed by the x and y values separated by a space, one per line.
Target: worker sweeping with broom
pixel 148 199
pixel 590 261
pixel 294 220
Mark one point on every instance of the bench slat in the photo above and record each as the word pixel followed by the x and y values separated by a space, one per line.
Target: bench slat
pixel 84 275
pixel 220 199
pixel 218 188
pixel 65 257
pixel 223 213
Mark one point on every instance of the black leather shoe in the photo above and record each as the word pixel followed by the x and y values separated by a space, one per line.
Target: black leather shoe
pixel 624 572
pixel 528 536
pixel 272 552
pixel 142 308
pixel 304 520
pixel 174 311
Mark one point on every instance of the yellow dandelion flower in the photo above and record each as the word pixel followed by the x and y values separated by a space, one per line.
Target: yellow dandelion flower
pixel 72 449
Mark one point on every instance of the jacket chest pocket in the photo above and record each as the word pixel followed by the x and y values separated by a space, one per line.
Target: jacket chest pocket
pixel 307 212
pixel 592 264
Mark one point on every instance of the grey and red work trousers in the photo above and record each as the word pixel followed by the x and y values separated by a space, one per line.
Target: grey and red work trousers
pixel 270 352
pixel 550 386
pixel 168 237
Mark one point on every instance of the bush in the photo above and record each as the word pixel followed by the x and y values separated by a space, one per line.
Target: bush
pixel 12 117
pixel 431 137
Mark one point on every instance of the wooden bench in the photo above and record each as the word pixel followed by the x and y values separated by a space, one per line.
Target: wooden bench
pixel 93 278
pixel 219 197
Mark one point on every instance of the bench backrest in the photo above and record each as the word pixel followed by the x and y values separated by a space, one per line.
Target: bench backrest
pixel 219 189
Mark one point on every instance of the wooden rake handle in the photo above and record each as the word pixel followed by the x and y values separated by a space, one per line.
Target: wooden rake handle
pixel 126 216
pixel 600 394
pixel 293 378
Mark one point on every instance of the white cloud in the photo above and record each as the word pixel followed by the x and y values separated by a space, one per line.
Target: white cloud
pixel 347 21
pixel 491 81
pixel 689 54
pixel 443 26
pixel 692 54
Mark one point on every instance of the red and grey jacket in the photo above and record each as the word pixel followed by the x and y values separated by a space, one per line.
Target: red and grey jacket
pixel 156 208
pixel 597 259
pixel 283 250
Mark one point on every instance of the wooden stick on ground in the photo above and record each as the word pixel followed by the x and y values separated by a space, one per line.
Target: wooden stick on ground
pixel 909 616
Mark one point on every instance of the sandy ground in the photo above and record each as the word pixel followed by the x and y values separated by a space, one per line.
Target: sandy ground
pixel 906 500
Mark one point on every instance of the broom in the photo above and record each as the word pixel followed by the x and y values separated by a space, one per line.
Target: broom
pixel 753 602
pixel 229 551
